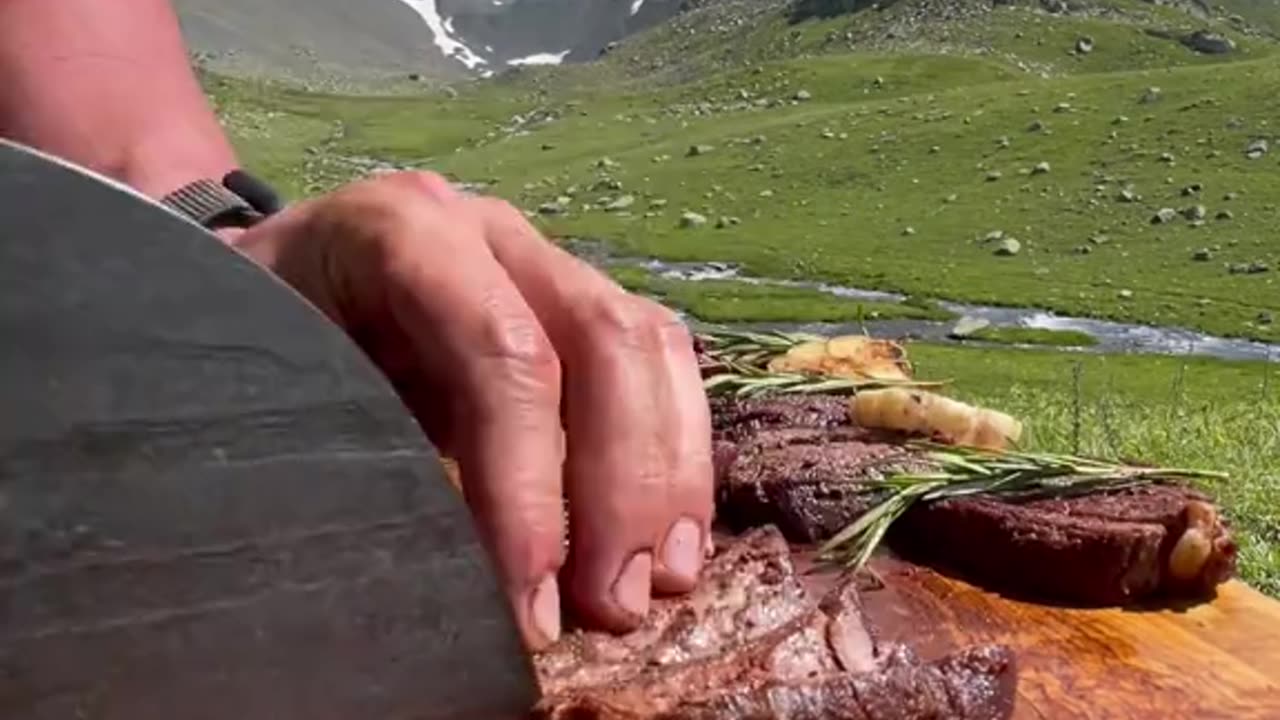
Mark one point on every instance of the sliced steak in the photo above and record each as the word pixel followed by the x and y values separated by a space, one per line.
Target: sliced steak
pixel 1108 549
pixel 736 418
pixel 747 590
pixel 975 684
pixel 803 656
pixel 809 482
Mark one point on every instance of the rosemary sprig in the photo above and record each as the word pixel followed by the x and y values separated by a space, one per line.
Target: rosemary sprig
pixel 738 348
pixel 749 382
pixel 734 362
pixel 1005 475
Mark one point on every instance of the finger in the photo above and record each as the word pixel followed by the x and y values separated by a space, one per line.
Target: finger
pixel 638 471
pixel 472 334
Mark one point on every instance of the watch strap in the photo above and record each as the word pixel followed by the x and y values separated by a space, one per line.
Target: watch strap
pixel 211 205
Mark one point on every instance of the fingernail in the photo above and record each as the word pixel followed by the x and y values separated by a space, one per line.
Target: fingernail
pixel 631 590
pixel 544 608
pixel 682 550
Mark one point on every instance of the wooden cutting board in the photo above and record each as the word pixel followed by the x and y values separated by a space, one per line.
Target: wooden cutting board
pixel 1219 659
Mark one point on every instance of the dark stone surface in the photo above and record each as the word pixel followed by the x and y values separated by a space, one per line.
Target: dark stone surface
pixel 212 506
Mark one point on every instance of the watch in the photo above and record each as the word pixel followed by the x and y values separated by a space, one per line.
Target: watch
pixel 240 200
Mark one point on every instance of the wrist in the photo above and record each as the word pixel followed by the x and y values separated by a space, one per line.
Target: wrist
pixel 156 171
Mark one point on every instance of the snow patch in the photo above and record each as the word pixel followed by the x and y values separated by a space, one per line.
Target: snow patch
pixel 442 34
pixel 636 5
pixel 540 59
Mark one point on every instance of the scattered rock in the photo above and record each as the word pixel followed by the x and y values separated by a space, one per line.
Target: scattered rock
pixel 1040 168
pixel 1099 239
pixel 1224 215
pixel 1192 189
pixel 1120 120
pixel 1036 125
pixel 1127 195
pixel 1084 45
pixel 1062 107
pixel 1125 294
pixel 803 95
pixel 1003 142
pixel 658 203
pixel 1253 268
pixel 1230 196
pixel 766 193
pixel 908 231
pixel 1195 212
pixel 725 221
pixel 1008 247
pixel 1167 158
pixel 690 219
pixel 993 175
pixel 994 236
pixel 621 203
pixel 935 150
pixel 967 326
pixel 1150 95
pixel 553 208
pixel 1264 318
pixel 1209 43
pixel 696 150
pixel 1164 215
pixel 548 146
pixel 606 163
pixel 1202 255
pixel 1256 149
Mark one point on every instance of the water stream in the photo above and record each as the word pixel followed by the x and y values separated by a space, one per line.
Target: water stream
pixel 1110 336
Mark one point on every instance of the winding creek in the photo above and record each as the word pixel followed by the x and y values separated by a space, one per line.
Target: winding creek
pixel 1110 336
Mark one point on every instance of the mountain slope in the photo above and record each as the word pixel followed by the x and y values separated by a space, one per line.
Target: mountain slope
pixel 311 39
pixel 315 40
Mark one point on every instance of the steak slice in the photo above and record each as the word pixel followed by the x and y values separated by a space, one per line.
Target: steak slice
pixel 809 482
pixel 800 657
pixel 735 419
pixel 747 590
pixel 1114 548
pixel 974 684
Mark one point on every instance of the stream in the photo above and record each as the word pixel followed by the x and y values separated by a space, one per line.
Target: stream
pixel 1110 336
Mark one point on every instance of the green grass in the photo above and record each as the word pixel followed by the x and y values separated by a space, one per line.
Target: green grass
pixel 1034 336
pixel 1187 413
pixel 839 207
pixel 719 301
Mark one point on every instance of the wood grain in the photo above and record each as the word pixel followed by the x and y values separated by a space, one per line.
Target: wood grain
pixel 1219 659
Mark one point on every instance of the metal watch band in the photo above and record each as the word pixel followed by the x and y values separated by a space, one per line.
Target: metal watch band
pixel 211 205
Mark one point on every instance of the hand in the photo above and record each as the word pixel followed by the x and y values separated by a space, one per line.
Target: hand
pixel 475 318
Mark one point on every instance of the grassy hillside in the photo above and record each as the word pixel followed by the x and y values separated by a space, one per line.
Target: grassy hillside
pixel 897 150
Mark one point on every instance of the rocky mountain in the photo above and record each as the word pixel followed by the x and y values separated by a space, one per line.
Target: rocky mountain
pixel 431 39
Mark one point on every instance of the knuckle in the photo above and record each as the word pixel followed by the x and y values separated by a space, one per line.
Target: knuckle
pixel 517 341
pixel 627 321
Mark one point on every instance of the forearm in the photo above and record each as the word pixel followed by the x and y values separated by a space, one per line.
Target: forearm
pixel 106 84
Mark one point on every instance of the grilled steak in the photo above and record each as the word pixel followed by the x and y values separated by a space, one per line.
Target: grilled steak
pixel 808 482
pixel 972 684
pixel 752 643
pixel 1107 549
pixel 794 463
pixel 747 590
pixel 733 419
